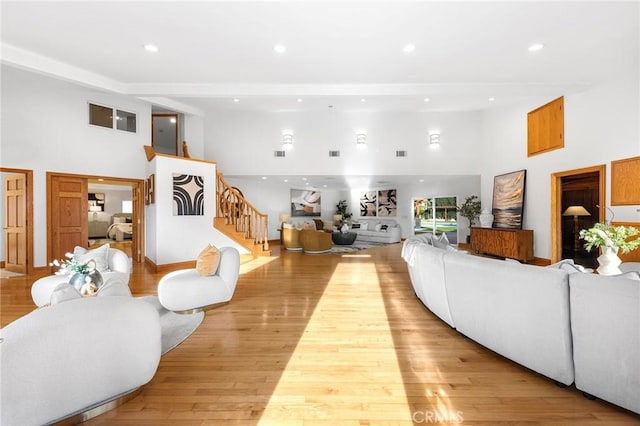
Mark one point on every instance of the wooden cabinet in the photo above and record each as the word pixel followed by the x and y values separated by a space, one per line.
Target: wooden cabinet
pixel 625 175
pixel 512 243
pixel 98 229
pixel 545 128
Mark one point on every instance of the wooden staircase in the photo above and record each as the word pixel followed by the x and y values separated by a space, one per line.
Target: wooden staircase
pixel 240 220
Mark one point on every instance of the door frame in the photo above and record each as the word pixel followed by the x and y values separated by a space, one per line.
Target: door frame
pixel 556 204
pixel 28 211
pixel 137 195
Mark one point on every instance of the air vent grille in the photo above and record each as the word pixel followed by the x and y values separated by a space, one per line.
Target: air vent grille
pixel 401 153
pixel 278 153
pixel 334 153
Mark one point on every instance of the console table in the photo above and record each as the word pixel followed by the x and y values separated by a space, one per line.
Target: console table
pixel 512 243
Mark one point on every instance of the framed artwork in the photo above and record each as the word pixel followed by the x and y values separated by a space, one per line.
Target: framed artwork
pixel 305 203
pixel 188 195
pixel 387 202
pixel 368 203
pixel 150 193
pixel 508 200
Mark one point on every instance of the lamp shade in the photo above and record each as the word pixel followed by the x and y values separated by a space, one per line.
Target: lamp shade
pixel 284 217
pixel 576 211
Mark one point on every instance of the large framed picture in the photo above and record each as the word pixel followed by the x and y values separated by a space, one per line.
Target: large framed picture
pixel 305 203
pixel 508 200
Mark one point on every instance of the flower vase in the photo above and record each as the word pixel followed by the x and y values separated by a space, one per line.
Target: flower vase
pixel 486 218
pixel 609 261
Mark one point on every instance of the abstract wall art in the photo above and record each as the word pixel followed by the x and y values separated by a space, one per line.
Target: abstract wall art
pixel 508 200
pixel 305 203
pixel 387 202
pixel 368 203
pixel 188 195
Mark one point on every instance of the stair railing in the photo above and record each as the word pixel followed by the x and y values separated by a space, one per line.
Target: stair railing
pixel 237 211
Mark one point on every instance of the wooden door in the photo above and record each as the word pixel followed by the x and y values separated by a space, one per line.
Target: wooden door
pixel 15 223
pixel 68 220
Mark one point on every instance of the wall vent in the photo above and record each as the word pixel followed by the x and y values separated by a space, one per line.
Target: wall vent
pixel 278 153
pixel 334 153
pixel 401 153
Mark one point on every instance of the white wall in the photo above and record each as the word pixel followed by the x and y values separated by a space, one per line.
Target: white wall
pixel 45 128
pixel 601 125
pixel 242 143
pixel 173 239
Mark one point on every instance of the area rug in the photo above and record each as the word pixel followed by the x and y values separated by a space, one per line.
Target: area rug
pixel 355 247
pixel 8 274
pixel 175 327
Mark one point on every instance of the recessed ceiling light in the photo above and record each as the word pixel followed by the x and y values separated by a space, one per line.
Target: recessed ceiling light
pixel 324 186
pixel 151 48
pixel 236 100
pixel 279 48
pixel 363 100
pixel 299 99
pixel 421 180
pixel 491 99
pixel 304 178
pixel 535 47
pixel 264 178
pixel 427 99
pixel 409 48
pixel 286 180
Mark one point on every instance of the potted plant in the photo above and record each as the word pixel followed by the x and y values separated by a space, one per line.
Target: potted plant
pixel 611 239
pixel 341 209
pixel 470 210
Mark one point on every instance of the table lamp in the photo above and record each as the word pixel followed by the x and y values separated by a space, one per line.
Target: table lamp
pixel 576 211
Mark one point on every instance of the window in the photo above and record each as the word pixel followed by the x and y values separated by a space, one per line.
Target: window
pixel 127 206
pixel 436 215
pixel 104 116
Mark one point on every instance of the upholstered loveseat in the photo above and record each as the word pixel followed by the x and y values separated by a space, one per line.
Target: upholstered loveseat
pixel 558 321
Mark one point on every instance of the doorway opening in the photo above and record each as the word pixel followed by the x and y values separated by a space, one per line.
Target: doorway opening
pixel 436 215
pixel 583 191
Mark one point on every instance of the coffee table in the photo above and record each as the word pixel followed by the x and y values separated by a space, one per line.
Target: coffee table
pixel 343 238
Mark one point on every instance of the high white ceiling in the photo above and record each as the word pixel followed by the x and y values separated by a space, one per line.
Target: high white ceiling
pixel 337 52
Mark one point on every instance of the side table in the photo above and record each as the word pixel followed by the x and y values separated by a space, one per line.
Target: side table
pixel 343 238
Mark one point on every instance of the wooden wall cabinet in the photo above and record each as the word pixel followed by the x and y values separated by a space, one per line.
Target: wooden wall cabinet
pixel 512 243
pixel 545 128
pixel 625 182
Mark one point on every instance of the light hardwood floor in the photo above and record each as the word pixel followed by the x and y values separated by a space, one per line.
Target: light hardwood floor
pixel 340 340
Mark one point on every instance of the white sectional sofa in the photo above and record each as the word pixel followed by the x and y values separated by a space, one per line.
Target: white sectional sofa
pixel 70 357
pixel 377 230
pixel 557 321
pixel 605 322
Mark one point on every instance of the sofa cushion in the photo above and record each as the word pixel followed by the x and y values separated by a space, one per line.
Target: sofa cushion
pixel 208 261
pixel 64 292
pixel 100 255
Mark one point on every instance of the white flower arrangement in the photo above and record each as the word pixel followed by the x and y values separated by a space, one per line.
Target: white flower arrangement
pixel 603 235
pixel 72 266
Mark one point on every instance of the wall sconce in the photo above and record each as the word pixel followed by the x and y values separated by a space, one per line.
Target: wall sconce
pixel 361 139
pixel 287 139
pixel 434 139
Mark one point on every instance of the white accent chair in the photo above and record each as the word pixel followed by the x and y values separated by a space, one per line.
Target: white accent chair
pixel 119 267
pixel 187 291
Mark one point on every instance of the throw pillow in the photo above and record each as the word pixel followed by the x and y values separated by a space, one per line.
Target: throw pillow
pixel 319 224
pixel 567 265
pixel 208 261
pixel 384 227
pixel 328 225
pixel 63 292
pixel 100 255
pixel 355 226
pixel 364 226
pixel 378 227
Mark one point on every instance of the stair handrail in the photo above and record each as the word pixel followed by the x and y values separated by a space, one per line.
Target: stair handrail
pixel 237 211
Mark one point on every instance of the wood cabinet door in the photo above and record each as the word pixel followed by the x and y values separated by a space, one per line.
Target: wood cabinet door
pixel 68 221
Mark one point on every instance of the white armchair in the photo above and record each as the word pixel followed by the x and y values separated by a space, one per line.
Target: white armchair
pixel 187 291
pixel 119 268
